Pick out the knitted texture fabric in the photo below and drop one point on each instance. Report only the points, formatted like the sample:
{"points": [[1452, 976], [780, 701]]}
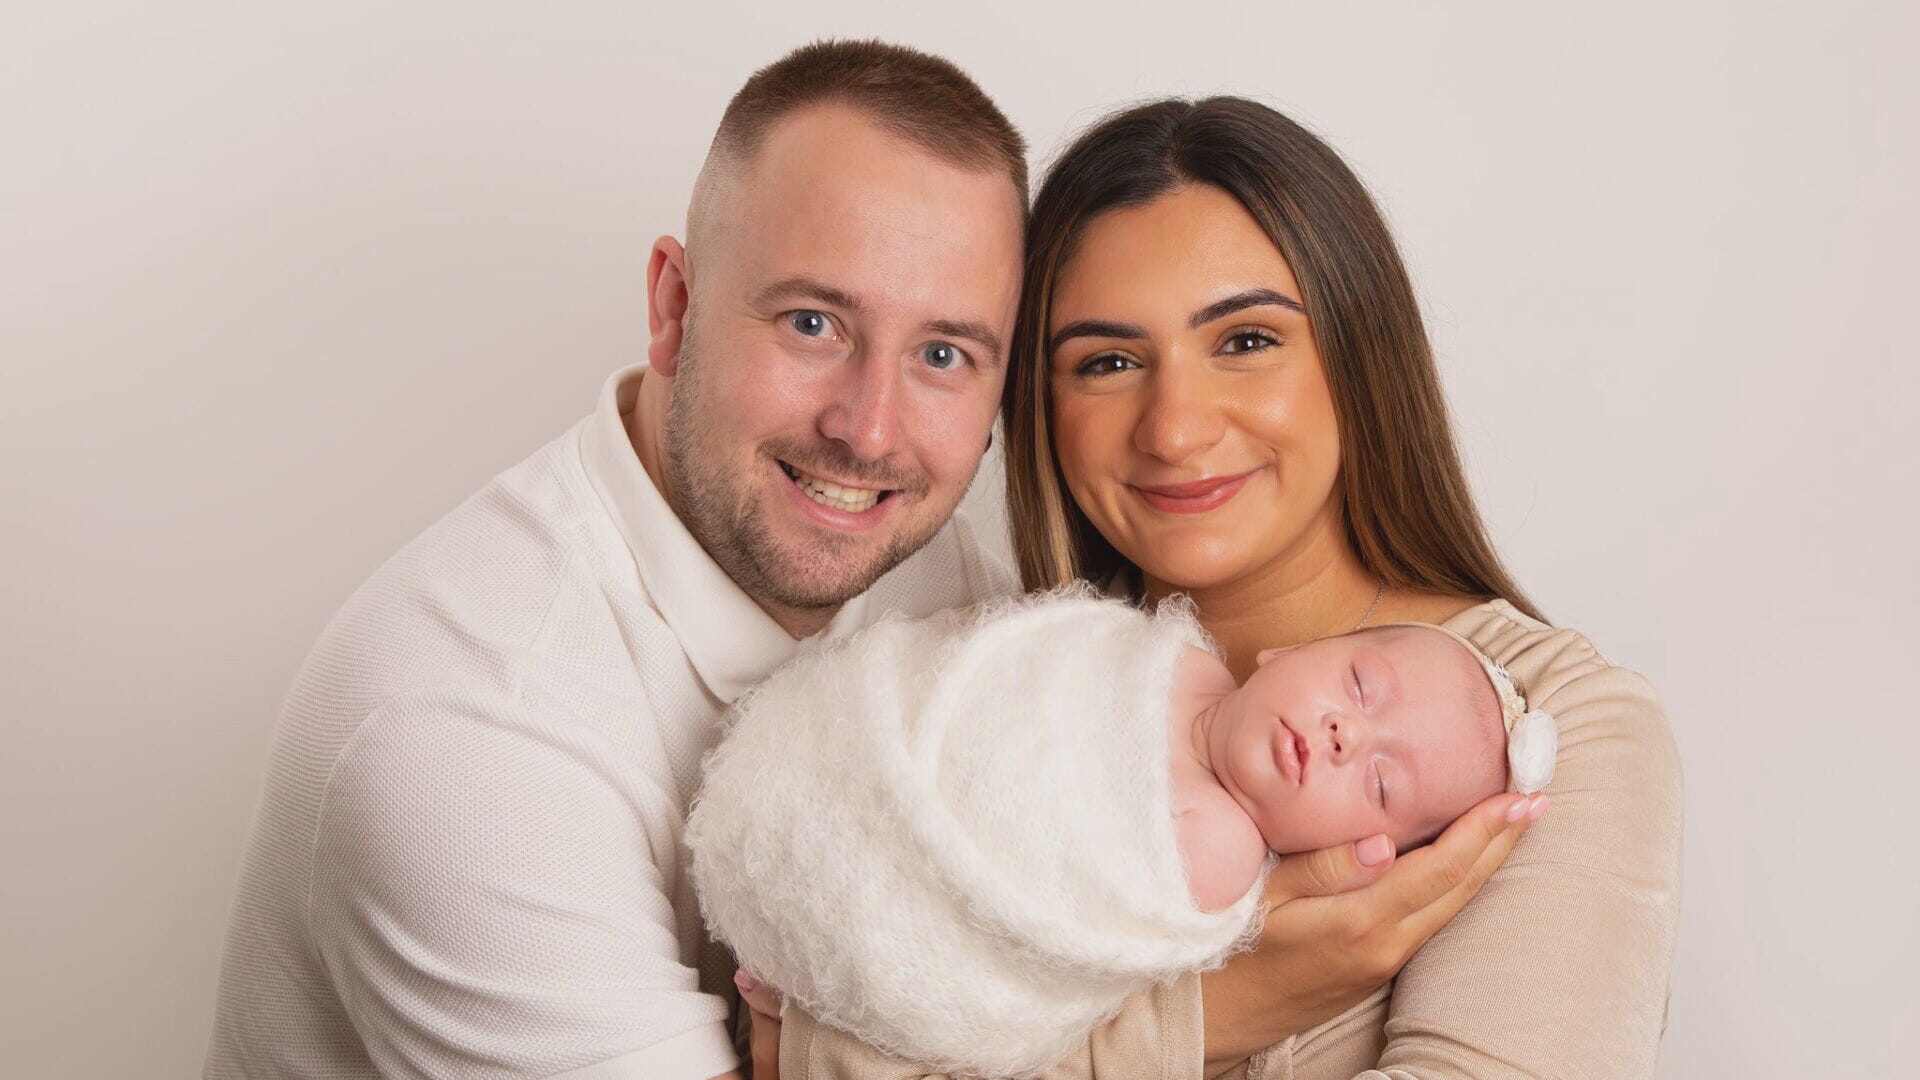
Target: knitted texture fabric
{"points": [[953, 838]]}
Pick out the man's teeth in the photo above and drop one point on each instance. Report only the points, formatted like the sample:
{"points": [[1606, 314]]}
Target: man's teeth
{"points": [[852, 500]]}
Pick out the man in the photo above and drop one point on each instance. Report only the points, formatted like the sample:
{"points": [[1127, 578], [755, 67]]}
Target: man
{"points": [[468, 861]]}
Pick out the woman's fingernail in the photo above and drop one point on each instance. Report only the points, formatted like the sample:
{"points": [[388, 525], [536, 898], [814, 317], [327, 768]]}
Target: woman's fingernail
{"points": [[1539, 806], [745, 982], [1518, 810], [1374, 850]]}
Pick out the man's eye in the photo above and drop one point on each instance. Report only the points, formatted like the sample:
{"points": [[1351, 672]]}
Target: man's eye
{"points": [[1105, 364], [810, 323], [941, 356]]}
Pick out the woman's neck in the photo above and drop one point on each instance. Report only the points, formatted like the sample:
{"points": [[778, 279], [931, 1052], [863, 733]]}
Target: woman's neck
{"points": [[1320, 588]]}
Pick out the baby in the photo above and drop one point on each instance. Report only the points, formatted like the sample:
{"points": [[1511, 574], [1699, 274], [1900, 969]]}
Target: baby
{"points": [[1396, 730], [968, 839]]}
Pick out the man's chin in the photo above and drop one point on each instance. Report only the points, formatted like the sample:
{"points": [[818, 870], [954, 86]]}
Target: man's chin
{"points": [[820, 571]]}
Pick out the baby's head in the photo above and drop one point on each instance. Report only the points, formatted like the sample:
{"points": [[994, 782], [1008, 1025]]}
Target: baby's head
{"points": [[1395, 730]]}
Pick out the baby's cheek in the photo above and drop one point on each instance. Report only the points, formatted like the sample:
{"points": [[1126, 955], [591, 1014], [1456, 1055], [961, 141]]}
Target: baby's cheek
{"points": [[1304, 823]]}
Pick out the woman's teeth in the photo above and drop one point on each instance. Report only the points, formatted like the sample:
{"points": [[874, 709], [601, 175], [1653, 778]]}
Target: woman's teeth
{"points": [[851, 500]]}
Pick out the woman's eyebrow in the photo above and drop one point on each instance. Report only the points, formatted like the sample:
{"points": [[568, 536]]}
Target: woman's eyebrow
{"points": [[1240, 301], [1093, 328]]}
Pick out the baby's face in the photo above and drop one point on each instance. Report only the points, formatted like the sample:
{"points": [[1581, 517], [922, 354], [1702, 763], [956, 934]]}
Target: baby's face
{"points": [[1394, 731]]}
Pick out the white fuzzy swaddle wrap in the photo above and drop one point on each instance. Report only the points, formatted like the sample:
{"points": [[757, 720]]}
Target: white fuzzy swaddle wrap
{"points": [[953, 838]]}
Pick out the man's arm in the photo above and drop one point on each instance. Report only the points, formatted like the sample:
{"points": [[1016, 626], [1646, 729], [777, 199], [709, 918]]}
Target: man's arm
{"points": [[486, 900]]}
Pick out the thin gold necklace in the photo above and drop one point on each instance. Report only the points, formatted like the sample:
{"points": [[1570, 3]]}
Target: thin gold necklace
{"points": [[1371, 608]]}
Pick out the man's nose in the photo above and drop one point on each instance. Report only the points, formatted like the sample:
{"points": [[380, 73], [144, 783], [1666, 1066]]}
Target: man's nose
{"points": [[865, 412]]}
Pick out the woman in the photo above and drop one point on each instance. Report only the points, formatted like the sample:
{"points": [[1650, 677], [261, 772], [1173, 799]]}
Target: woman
{"points": [[1224, 389]]}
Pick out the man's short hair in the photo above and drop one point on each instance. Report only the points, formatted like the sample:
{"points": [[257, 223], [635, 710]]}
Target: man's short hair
{"points": [[915, 95]]}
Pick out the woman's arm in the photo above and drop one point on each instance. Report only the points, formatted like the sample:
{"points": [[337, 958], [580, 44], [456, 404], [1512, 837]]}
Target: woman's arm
{"points": [[1156, 1036], [1337, 930], [1322, 952], [1560, 967]]}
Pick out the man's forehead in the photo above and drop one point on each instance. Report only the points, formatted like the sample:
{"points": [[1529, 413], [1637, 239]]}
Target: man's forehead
{"points": [[832, 196]]}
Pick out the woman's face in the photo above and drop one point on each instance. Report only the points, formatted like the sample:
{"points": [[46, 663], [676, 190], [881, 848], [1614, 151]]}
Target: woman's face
{"points": [[1191, 413]]}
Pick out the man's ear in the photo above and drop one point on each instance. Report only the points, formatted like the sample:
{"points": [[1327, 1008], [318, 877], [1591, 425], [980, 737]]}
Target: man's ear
{"points": [[1267, 654], [666, 304]]}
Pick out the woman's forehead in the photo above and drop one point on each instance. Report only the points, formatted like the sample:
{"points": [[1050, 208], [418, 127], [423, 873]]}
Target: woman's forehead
{"points": [[1167, 259]]}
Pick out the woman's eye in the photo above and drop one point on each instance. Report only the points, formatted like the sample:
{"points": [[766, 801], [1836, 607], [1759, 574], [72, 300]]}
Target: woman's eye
{"points": [[1105, 364], [1242, 341], [942, 356], [811, 324]]}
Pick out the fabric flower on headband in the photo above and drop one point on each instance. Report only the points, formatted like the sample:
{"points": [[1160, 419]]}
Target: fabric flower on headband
{"points": [[1533, 744], [1533, 736]]}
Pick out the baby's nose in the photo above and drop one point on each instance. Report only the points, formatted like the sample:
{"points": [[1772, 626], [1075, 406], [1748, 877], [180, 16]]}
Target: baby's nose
{"points": [[1343, 735]]}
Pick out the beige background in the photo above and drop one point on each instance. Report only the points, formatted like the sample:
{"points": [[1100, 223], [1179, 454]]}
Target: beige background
{"points": [[278, 286]]}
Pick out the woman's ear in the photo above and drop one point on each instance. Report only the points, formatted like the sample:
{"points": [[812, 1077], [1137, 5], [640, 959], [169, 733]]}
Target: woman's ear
{"points": [[666, 304]]}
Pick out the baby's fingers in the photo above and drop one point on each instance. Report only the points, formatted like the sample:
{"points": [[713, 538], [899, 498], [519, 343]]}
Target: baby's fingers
{"points": [[759, 997]]}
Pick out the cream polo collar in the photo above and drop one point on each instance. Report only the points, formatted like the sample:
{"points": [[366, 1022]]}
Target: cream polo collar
{"points": [[730, 640]]}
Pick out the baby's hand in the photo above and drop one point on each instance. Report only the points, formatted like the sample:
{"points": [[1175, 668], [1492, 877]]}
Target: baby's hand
{"points": [[759, 997], [763, 1005]]}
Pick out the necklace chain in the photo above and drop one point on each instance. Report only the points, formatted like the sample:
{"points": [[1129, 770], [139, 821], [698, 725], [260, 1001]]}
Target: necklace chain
{"points": [[1371, 608]]}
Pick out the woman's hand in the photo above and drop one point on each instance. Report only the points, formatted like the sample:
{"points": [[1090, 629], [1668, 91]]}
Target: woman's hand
{"points": [[763, 1006], [1338, 929]]}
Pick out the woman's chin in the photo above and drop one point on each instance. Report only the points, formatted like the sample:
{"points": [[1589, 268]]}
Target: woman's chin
{"points": [[1191, 571]]}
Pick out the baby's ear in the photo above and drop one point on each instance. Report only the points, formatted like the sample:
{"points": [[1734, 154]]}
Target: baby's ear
{"points": [[1268, 654]]}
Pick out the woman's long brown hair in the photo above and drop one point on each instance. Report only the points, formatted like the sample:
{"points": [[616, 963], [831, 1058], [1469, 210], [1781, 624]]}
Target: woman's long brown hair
{"points": [[1409, 515]]}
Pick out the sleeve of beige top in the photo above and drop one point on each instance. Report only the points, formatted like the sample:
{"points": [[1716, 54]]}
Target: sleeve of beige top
{"points": [[1155, 1036], [1560, 966]]}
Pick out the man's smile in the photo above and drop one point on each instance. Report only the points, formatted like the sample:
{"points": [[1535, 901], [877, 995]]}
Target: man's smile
{"points": [[853, 500]]}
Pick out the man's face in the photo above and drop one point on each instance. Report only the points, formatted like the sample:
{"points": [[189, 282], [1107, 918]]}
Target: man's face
{"points": [[843, 356]]}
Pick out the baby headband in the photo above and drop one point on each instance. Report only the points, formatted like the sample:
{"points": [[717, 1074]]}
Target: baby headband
{"points": [[1533, 737]]}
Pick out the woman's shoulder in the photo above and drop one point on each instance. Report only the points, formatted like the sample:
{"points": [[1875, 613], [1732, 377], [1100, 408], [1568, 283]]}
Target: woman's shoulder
{"points": [[1548, 659], [1596, 702]]}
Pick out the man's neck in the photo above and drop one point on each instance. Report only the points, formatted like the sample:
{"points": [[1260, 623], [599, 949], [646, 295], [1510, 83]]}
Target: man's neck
{"points": [[647, 433]]}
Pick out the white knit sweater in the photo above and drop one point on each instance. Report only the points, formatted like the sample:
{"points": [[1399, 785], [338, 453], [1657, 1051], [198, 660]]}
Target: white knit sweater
{"points": [[953, 837]]}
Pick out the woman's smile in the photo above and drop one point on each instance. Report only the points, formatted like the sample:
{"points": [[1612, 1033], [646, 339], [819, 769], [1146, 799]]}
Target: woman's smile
{"points": [[1194, 496]]}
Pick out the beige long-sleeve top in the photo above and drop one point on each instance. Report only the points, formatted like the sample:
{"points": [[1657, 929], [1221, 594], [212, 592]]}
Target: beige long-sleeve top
{"points": [[1558, 968]]}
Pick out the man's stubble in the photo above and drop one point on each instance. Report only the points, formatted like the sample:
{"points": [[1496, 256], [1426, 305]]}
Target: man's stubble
{"points": [[719, 510]]}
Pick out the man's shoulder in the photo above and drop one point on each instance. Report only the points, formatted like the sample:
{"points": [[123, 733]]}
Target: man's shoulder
{"points": [[464, 602]]}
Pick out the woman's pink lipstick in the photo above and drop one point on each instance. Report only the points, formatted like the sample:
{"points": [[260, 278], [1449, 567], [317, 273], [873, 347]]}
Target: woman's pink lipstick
{"points": [[1195, 496]]}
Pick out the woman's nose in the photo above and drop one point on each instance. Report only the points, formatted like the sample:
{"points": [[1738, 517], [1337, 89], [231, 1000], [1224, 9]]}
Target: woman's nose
{"points": [[1181, 418]]}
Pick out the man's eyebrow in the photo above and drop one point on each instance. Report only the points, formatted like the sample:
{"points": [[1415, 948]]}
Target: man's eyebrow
{"points": [[978, 332], [805, 288], [1093, 328], [1240, 301]]}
